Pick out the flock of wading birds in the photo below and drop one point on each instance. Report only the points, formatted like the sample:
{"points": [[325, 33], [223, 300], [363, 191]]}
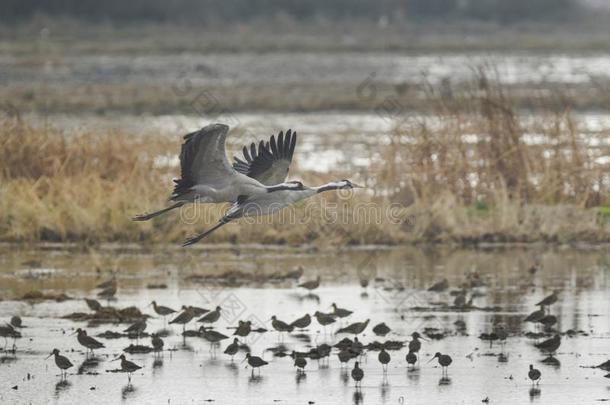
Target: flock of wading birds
{"points": [[348, 349]]}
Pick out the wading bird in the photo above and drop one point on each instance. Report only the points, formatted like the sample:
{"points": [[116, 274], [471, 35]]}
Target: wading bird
{"points": [[357, 374], [233, 348], [550, 346], [384, 358], [534, 375], [62, 362], [87, 341], [255, 185], [302, 322], [254, 362], [127, 366], [444, 360]]}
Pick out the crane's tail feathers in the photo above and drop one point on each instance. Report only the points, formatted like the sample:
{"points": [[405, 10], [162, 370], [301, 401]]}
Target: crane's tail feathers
{"points": [[197, 238], [146, 217]]}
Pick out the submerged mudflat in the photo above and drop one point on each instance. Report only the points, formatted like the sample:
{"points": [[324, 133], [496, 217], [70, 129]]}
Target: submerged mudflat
{"points": [[253, 283]]}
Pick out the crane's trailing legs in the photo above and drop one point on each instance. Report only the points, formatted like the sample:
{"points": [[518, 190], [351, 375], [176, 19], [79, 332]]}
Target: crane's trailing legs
{"points": [[146, 217]]}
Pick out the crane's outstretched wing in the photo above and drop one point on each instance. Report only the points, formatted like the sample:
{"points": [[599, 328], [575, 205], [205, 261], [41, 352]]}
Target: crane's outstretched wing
{"points": [[269, 164], [203, 159]]}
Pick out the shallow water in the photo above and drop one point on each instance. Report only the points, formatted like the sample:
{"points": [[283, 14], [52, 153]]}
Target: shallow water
{"points": [[290, 67], [190, 373]]}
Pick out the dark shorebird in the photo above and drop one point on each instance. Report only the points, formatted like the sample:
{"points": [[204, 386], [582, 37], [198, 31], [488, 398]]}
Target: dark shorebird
{"points": [[549, 300], [384, 358], [157, 343], [324, 319], [184, 317], [254, 362], [233, 348], [411, 358], [211, 316], [197, 311], [548, 321], [357, 374], [340, 312], [107, 284], [534, 375], [107, 293], [604, 366], [299, 362], [444, 360], [136, 329], [280, 326], [345, 355], [212, 336], [16, 321], [302, 322], [62, 362], [7, 331], [161, 310], [127, 366], [355, 328], [243, 329], [381, 329], [93, 305], [415, 344], [439, 286], [310, 285], [535, 316], [550, 346], [87, 341]]}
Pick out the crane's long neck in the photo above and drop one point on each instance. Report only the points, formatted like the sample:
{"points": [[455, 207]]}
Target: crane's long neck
{"points": [[333, 185]]}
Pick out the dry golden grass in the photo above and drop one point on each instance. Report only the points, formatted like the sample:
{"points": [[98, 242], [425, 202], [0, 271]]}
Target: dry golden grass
{"points": [[434, 182]]}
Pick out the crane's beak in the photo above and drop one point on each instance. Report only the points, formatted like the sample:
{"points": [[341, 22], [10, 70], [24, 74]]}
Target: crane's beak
{"points": [[430, 360], [73, 333], [357, 185], [48, 356], [245, 358]]}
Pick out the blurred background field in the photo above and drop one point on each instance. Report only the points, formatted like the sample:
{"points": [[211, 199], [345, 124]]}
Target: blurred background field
{"points": [[470, 121]]}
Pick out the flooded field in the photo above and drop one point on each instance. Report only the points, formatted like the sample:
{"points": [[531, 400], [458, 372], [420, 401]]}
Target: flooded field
{"points": [[254, 282]]}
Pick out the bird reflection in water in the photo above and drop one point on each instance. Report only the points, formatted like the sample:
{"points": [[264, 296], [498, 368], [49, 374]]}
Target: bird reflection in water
{"points": [[158, 363], [255, 379], [503, 358], [552, 361], [128, 391], [300, 377], [89, 364], [358, 397], [384, 388], [61, 387], [344, 376], [534, 393], [444, 381]]}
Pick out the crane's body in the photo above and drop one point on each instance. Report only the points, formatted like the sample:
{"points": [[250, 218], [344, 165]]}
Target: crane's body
{"points": [[256, 185]]}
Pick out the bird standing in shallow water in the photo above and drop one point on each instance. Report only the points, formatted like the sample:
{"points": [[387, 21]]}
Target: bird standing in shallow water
{"points": [[16, 321], [87, 341], [355, 328], [444, 360], [534, 375], [357, 374], [381, 329], [62, 362], [411, 358], [255, 362], [233, 348], [384, 358], [299, 362], [136, 329], [549, 300], [93, 305], [157, 343], [302, 322], [310, 285], [243, 329], [340, 312], [211, 316], [127, 366], [184, 317], [550, 346], [161, 310]]}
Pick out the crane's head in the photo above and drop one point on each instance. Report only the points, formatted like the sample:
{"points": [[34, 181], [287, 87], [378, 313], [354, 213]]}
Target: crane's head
{"points": [[346, 184]]}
